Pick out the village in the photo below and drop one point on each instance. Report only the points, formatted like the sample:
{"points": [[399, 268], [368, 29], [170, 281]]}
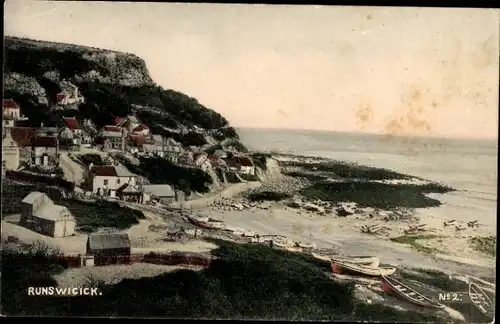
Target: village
{"points": [[89, 159]]}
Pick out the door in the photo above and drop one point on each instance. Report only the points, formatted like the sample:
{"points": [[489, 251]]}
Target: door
{"points": [[45, 160]]}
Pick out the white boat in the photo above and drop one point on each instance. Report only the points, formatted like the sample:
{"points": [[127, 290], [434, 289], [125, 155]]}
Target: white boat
{"points": [[481, 300], [217, 225], [284, 243], [201, 219], [365, 260], [306, 245], [342, 267], [248, 234], [483, 284]]}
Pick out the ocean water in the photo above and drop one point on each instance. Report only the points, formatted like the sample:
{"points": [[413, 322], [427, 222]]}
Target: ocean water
{"points": [[470, 166]]}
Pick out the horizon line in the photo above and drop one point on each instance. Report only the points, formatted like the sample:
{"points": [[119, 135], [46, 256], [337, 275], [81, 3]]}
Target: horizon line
{"points": [[451, 137]]}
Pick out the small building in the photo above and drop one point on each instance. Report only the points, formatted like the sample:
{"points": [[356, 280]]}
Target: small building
{"points": [[202, 161], [32, 202], [241, 164], [108, 247], [45, 150], [69, 94], [10, 152], [11, 113], [141, 130], [53, 220], [113, 138], [162, 193], [130, 193], [39, 213], [106, 179]]}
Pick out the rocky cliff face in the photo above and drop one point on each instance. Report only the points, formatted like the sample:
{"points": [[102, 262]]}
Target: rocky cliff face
{"points": [[113, 84]]}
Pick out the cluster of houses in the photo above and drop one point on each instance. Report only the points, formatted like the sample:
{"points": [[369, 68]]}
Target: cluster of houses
{"points": [[41, 146]]}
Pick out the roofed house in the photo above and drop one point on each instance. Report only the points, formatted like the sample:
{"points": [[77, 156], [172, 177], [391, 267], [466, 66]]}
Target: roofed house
{"points": [[11, 112], [43, 216], [241, 164], [69, 94], [72, 132], [106, 179], [108, 247], [202, 161], [130, 193], [141, 130], [113, 137], [45, 150], [162, 193]]}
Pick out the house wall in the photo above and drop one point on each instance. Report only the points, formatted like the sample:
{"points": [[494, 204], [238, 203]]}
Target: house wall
{"points": [[247, 170], [12, 112], [38, 152], [65, 227], [113, 183], [8, 123], [10, 154], [43, 226]]}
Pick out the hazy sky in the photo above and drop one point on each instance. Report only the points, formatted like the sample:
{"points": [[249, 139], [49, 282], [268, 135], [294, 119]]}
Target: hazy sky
{"points": [[426, 71]]}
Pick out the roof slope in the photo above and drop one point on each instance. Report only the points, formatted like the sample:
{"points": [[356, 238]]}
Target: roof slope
{"points": [[108, 241], [32, 196]]}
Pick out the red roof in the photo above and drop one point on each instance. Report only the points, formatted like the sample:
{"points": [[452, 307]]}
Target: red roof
{"points": [[117, 120], [71, 122], [22, 135], [137, 139], [9, 104], [104, 171], [60, 96], [140, 128], [44, 141], [112, 129]]}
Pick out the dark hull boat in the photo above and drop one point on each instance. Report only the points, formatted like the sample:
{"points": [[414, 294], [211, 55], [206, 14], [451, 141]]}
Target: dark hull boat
{"points": [[402, 291]]}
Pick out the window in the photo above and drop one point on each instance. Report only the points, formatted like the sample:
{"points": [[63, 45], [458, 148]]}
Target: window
{"points": [[118, 181], [105, 182]]}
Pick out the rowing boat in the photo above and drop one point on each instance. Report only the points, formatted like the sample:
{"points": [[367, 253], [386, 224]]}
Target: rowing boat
{"points": [[306, 245], [485, 285], [481, 300], [369, 261], [402, 291], [451, 222], [341, 267], [199, 223]]}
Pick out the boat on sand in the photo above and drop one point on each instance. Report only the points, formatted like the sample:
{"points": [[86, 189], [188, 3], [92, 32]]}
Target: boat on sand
{"points": [[400, 290], [483, 284], [365, 260], [481, 300], [343, 267], [306, 245], [199, 223]]}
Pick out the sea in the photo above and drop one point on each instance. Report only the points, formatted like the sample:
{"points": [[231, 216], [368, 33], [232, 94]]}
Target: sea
{"points": [[468, 165]]}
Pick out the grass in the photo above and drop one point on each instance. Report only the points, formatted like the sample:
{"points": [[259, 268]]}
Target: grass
{"points": [[95, 159], [244, 282], [350, 170], [376, 195], [486, 245], [89, 215], [412, 240]]}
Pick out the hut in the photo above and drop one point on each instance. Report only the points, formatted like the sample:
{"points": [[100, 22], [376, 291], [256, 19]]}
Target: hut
{"points": [[53, 220], [32, 202], [108, 248]]}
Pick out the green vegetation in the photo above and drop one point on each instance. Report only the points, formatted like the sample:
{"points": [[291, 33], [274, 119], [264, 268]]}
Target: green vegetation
{"points": [[89, 215], [233, 143], [103, 99], [161, 171], [412, 240], [91, 158], [486, 245], [212, 149], [244, 282], [268, 195], [376, 195], [349, 170]]}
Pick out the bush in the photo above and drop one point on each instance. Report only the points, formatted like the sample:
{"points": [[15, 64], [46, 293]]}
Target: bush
{"points": [[95, 159]]}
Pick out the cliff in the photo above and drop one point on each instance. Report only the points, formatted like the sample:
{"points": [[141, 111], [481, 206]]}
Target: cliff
{"points": [[113, 84]]}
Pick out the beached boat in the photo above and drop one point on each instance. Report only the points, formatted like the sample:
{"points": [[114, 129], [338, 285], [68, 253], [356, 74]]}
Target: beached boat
{"points": [[217, 225], [481, 300], [448, 223], [402, 291], [306, 245], [369, 261], [342, 267], [293, 249], [198, 223], [460, 227], [201, 219], [485, 285], [283, 244]]}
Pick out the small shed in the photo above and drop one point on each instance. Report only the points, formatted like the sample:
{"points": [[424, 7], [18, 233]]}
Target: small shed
{"points": [[108, 247], [163, 193], [32, 202], [53, 220]]}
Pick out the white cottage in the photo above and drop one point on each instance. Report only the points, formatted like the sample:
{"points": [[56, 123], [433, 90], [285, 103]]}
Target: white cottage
{"points": [[106, 179]]}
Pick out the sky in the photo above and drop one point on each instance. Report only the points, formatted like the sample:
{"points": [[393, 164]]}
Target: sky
{"points": [[386, 70]]}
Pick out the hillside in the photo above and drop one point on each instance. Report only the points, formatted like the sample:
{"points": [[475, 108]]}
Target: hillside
{"points": [[113, 84]]}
